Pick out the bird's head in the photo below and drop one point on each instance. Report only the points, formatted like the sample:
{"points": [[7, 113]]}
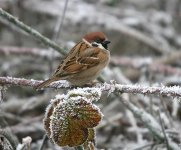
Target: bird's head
{"points": [[97, 39]]}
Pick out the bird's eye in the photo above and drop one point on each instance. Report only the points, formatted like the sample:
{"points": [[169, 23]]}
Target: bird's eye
{"points": [[98, 41], [94, 44]]}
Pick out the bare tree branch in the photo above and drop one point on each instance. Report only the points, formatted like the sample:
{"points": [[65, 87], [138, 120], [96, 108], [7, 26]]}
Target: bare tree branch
{"points": [[31, 31], [37, 52]]}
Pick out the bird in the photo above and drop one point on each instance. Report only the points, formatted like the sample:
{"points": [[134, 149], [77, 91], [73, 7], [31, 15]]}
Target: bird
{"points": [[84, 62]]}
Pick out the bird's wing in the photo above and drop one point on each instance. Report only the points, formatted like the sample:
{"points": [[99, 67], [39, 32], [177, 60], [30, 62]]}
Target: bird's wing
{"points": [[80, 58]]}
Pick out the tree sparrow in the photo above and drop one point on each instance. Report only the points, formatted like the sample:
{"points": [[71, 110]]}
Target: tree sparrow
{"points": [[84, 62]]}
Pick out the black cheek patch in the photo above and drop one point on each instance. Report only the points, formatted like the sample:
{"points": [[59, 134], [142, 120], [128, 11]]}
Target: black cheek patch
{"points": [[105, 46]]}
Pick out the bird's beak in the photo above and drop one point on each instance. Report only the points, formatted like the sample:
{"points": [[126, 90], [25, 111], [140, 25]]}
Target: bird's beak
{"points": [[105, 44]]}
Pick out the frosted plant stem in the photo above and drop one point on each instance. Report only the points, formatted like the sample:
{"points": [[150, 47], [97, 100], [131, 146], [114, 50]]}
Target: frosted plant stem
{"points": [[150, 122], [59, 24], [163, 130], [174, 91], [31, 31], [45, 138]]}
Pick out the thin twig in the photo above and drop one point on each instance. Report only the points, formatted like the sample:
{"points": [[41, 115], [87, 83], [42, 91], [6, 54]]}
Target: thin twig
{"points": [[12, 140], [149, 121], [165, 109], [43, 142], [151, 98], [152, 64], [163, 130], [2, 90], [36, 52], [145, 146], [60, 21], [31, 31], [135, 34], [56, 34]]}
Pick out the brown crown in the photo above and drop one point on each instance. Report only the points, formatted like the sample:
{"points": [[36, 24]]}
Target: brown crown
{"points": [[94, 37]]}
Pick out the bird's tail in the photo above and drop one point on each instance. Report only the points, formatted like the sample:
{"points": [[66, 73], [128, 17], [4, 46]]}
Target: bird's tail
{"points": [[45, 83]]}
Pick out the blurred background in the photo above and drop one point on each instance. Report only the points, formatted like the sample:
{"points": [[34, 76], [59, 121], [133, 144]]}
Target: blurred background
{"points": [[145, 49]]}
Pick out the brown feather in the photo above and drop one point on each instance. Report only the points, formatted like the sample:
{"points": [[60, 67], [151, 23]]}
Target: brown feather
{"points": [[71, 58], [46, 83], [73, 68], [89, 61]]}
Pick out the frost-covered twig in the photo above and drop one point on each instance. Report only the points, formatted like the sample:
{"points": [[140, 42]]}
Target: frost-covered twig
{"points": [[31, 31], [163, 129], [135, 34], [37, 52], [31, 83], [1, 94], [135, 62], [153, 65], [8, 140], [174, 91], [150, 122], [166, 69], [45, 138], [169, 59], [59, 24], [146, 61]]}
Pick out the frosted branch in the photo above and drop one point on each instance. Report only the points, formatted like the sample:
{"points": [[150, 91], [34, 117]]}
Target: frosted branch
{"points": [[150, 122], [30, 31], [174, 91], [32, 83], [37, 52]]}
